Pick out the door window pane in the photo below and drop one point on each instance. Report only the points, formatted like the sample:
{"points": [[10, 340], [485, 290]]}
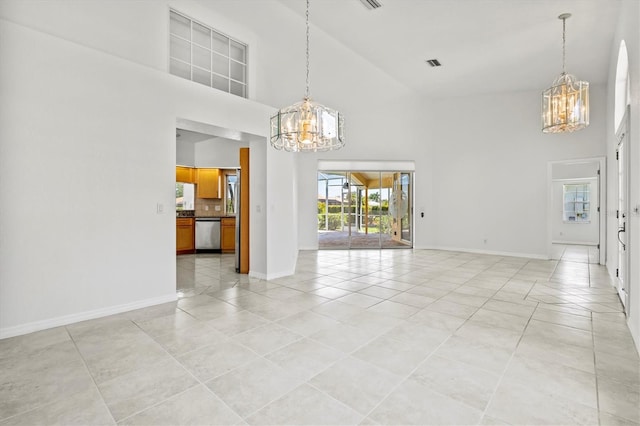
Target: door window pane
{"points": [[576, 205]]}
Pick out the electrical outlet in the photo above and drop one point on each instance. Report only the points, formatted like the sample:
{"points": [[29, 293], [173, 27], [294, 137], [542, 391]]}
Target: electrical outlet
{"points": [[485, 241], [217, 208], [206, 208]]}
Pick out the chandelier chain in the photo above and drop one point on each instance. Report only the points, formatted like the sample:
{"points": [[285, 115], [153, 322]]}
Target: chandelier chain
{"points": [[564, 23], [307, 82]]}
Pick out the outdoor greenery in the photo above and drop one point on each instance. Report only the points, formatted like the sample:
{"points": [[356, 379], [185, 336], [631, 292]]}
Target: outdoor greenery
{"points": [[376, 223], [379, 220]]}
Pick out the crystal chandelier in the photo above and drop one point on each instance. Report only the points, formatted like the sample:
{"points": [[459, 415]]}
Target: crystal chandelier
{"points": [[565, 105], [307, 126]]}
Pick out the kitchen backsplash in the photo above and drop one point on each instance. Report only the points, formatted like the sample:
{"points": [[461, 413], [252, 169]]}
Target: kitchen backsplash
{"points": [[207, 207]]}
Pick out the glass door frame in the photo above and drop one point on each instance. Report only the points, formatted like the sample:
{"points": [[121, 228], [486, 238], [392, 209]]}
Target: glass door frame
{"points": [[350, 183]]}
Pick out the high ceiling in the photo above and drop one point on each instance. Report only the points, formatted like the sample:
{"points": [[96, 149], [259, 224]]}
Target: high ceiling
{"points": [[485, 46]]}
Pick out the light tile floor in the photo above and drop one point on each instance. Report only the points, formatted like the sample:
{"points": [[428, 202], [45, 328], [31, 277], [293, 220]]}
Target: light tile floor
{"points": [[354, 337], [575, 253]]}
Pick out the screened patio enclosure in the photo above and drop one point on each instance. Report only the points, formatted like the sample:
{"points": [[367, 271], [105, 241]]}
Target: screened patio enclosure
{"points": [[358, 209]]}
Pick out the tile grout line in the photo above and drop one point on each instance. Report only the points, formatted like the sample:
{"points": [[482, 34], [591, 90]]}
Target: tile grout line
{"points": [[84, 362], [595, 369], [37, 407], [506, 368], [431, 354], [199, 382]]}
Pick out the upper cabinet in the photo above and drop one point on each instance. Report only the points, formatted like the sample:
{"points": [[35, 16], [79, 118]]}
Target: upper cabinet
{"points": [[185, 174], [208, 183]]}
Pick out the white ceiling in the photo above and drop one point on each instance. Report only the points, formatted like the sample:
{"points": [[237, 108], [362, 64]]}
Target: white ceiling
{"points": [[485, 46]]}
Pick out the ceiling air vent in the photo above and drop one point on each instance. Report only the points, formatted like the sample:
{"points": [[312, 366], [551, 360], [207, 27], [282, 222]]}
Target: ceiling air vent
{"points": [[371, 4], [434, 62]]}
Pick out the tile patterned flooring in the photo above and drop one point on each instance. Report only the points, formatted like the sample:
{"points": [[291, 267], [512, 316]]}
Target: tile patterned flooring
{"points": [[354, 337]]}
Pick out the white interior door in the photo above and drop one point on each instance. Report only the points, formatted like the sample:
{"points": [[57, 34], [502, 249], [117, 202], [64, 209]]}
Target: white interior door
{"points": [[622, 270]]}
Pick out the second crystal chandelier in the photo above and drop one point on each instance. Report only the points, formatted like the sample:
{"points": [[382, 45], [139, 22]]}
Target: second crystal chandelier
{"points": [[565, 105]]}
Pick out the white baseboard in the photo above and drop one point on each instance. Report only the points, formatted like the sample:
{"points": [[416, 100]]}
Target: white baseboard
{"points": [[258, 275], [30, 327], [493, 253], [271, 276], [575, 243], [476, 251], [280, 274]]}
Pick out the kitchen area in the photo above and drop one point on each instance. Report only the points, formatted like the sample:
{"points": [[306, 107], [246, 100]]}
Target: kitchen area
{"points": [[206, 204], [209, 173]]}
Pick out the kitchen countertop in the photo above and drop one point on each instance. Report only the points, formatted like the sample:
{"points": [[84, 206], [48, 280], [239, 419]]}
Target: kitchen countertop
{"points": [[214, 217]]}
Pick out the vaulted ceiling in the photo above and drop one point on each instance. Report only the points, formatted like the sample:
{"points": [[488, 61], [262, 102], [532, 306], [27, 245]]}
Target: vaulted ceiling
{"points": [[485, 46]]}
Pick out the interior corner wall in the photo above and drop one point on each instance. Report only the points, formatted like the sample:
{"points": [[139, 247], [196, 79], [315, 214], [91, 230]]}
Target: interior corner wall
{"points": [[185, 154], [628, 29], [282, 235], [257, 208], [490, 175]]}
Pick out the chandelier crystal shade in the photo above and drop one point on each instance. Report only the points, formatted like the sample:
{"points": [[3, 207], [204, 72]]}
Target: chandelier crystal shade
{"points": [[307, 126], [565, 105]]}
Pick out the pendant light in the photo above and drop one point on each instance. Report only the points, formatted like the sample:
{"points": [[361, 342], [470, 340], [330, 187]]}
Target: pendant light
{"points": [[565, 105], [307, 126]]}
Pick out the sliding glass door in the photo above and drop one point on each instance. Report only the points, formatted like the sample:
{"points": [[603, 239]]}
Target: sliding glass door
{"points": [[364, 209]]}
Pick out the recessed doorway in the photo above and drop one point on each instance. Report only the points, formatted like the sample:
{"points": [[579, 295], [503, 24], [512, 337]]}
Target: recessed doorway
{"points": [[365, 209], [576, 201]]}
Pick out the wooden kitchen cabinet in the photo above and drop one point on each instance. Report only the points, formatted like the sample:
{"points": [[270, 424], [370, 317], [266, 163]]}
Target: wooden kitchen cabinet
{"points": [[185, 235], [228, 234], [185, 174], [208, 183]]}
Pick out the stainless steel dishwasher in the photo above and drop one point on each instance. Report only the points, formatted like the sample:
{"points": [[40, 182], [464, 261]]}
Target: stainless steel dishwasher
{"points": [[207, 233]]}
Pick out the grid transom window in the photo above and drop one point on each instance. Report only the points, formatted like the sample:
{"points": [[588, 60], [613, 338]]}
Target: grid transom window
{"points": [[576, 203], [204, 55]]}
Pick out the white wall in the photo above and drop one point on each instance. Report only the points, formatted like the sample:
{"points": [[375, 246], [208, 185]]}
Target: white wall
{"points": [[490, 169], [584, 169], [218, 152], [133, 30], [88, 140], [281, 214], [574, 233], [185, 153], [257, 212], [628, 29]]}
